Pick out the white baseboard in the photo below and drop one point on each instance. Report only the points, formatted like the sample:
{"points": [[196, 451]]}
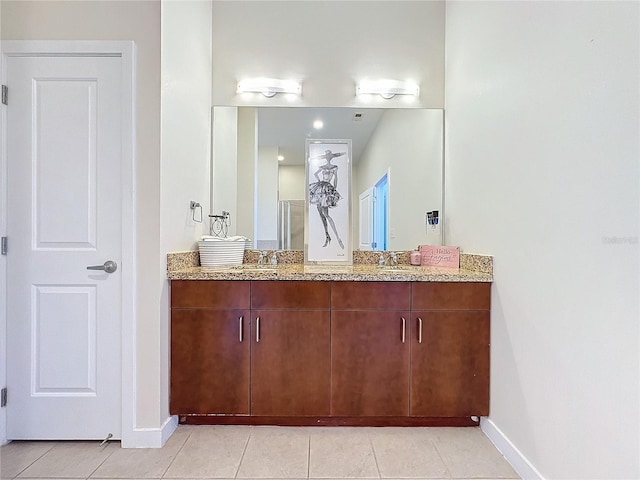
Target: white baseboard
{"points": [[3, 426], [150, 437], [518, 461]]}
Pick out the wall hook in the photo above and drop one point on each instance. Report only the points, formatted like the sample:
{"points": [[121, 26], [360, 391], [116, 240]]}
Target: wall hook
{"points": [[193, 205]]}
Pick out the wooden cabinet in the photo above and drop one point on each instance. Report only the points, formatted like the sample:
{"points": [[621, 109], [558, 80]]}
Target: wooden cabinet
{"points": [[290, 348], [209, 347], [290, 369], [330, 352], [209, 362], [370, 349], [259, 348], [450, 349]]}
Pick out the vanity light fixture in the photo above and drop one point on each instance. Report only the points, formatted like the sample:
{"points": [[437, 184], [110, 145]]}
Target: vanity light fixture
{"points": [[269, 86], [318, 124], [280, 158], [387, 88]]}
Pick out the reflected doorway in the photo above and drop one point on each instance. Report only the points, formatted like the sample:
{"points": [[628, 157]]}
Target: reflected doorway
{"points": [[381, 214], [374, 216]]}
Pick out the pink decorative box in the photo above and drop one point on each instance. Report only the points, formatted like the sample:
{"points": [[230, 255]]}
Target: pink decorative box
{"points": [[434, 256]]}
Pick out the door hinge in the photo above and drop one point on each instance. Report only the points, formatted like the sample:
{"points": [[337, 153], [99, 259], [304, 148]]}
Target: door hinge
{"points": [[3, 397], [3, 246], [5, 95]]}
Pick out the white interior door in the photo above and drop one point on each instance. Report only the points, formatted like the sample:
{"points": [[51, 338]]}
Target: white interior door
{"points": [[367, 202], [64, 199]]}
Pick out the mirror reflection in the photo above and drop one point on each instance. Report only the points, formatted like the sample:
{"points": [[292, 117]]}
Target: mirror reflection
{"points": [[258, 172]]}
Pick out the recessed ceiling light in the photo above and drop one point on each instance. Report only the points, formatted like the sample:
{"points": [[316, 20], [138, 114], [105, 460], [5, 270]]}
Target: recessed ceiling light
{"points": [[280, 158], [318, 124]]}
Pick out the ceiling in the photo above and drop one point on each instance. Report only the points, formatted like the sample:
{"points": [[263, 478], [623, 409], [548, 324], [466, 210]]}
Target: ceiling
{"points": [[288, 128]]}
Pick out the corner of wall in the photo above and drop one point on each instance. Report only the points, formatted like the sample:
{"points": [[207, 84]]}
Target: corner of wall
{"points": [[515, 457], [3, 274], [150, 437]]}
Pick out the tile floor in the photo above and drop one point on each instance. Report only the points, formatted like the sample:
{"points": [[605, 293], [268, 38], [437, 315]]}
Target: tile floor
{"points": [[228, 452]]}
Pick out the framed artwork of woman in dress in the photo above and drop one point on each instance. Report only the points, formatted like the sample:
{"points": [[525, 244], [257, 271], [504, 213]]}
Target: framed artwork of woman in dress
{"points": [[328, 211]]}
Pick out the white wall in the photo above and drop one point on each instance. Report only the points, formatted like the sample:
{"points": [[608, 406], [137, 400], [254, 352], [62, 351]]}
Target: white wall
{"points": [[115, 20], [292, 182], [186, 97], [542, 110], [329, 46], [415, 178], [247, 155], [224, 190], [267, 198], [3, 270]]}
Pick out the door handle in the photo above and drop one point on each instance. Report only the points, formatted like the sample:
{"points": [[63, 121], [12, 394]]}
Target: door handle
{"points": [[109, 266]]}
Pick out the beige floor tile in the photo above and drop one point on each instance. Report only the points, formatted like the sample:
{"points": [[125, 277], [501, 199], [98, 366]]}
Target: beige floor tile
{"points": [[16, 456], [468, 453], [210, 452], [341, 452], [407, 453], [141, 462], [70, 460], [276, 452]]}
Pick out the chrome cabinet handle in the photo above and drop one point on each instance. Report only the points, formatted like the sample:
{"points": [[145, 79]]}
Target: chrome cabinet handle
{"points": [[404, 322], [419, 330], [109, 266], [257, 329], [240, 327]]}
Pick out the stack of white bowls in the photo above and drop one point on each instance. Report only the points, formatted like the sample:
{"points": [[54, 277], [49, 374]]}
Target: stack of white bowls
{"points": [[216, 251]]}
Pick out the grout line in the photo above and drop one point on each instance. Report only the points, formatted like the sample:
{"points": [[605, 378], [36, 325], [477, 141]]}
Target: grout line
{"points": [[243, 452], [375, 458], [39, 457], [309, 453], [446, 466], [176, 454], [107, 445]]}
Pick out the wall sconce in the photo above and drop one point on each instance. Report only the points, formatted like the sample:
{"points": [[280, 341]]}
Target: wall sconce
{"points": [[387, 88], [269, 86]]}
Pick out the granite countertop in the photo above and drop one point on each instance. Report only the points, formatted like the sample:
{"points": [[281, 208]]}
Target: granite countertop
{"points": [[366, 273]]}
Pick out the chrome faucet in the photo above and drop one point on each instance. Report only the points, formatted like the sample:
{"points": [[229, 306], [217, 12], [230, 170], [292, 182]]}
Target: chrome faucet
{"points": [[393, 258], [381, 260], [262, 258], [274, 258]]}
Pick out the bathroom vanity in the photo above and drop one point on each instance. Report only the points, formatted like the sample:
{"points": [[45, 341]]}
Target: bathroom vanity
{"points": [[362, 347]]}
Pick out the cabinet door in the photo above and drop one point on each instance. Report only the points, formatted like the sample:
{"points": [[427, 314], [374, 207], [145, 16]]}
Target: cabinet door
{"points": [[290, 362], [225, 295], [370, 363], [388, 296], [450, 365], [451, 296], [209, 361], [306, 295]]}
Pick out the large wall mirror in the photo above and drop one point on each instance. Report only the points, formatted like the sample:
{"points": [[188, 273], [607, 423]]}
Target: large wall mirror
{"points": [[258, 172]]}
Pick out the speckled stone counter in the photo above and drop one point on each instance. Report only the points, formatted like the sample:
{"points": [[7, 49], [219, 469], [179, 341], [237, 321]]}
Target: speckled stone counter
{"points": [[477, 268]]}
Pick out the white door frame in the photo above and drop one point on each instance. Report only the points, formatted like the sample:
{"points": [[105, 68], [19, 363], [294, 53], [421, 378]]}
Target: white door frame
{"points": [[125, 50]]}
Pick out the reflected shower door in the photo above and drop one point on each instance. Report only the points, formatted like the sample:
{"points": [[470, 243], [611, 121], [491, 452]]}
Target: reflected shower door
{"points": [[291, 224]]}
